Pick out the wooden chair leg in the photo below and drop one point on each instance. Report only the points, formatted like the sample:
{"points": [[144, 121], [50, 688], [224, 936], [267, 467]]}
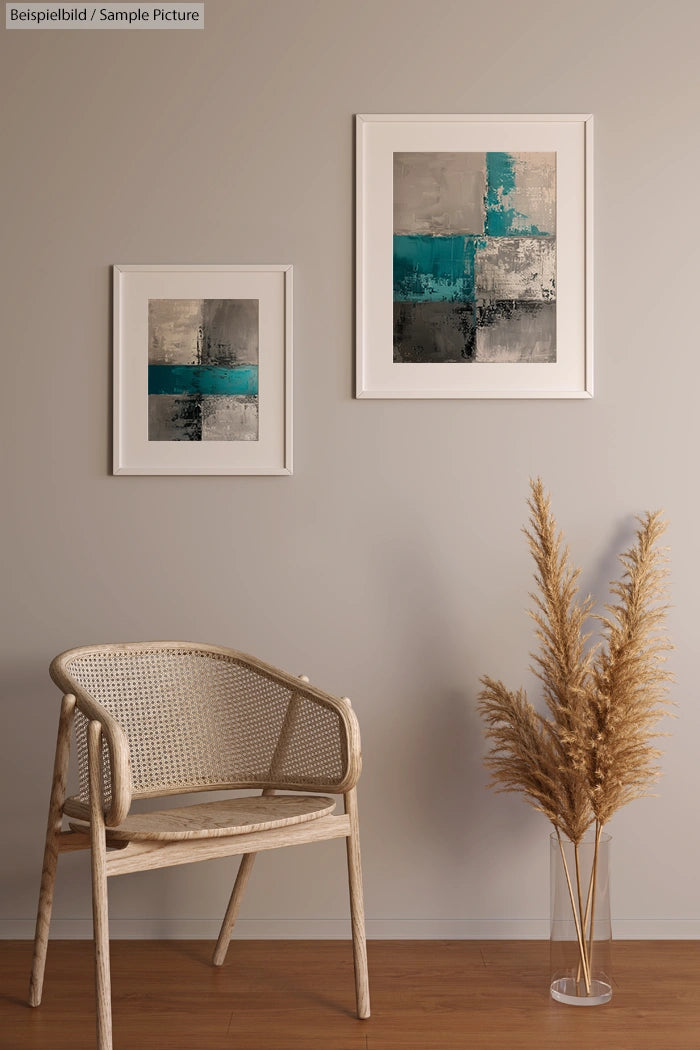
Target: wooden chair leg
{"points": [[51, 850], [357, 908], [100, 918], [234, 906], [244, 870]]}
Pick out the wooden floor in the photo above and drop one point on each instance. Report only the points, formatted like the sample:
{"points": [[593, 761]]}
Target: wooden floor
{"points": [[299, 995]]}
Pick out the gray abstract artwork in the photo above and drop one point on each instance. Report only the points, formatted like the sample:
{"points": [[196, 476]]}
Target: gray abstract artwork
{"points": [[203, 369], [475, 257]]}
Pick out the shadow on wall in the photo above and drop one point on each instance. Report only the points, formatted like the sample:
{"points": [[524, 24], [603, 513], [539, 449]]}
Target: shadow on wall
{"points": [[596, 579]]}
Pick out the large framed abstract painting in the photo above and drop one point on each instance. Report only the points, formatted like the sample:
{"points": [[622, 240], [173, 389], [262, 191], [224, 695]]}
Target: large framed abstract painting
{"points": [[474, 256], [203, 369]]}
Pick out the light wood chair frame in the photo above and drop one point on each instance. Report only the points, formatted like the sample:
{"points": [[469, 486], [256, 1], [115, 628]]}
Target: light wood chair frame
{"points": [[95, 826]]}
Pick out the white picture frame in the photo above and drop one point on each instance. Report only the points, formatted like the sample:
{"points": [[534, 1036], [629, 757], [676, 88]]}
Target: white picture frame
{"points": [[386, 140], [235, 419]]}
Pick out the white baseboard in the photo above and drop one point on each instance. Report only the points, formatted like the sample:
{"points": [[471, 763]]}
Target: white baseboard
{"points": [[339, 929]]}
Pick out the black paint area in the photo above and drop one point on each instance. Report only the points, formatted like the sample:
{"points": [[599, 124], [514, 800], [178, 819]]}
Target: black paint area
{"points": [[434, 332]]}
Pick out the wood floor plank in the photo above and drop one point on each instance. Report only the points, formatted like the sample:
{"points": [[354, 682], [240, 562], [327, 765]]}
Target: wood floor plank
{"points": [[299, 995]]}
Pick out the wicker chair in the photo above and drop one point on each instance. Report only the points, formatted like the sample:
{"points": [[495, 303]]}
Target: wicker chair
{"points": [[164, 718]]}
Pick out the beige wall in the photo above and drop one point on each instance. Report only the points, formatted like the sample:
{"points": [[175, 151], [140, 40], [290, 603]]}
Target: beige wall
{"points": [[391, 565]]}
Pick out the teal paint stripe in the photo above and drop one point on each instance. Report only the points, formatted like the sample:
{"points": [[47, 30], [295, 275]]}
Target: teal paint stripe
{"points": [[501, 220], [202, 379], [434, 269]]}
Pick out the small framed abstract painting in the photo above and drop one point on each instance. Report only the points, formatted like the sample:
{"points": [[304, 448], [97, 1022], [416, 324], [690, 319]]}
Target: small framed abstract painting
{"points": [[203, 369], [474, 256]]}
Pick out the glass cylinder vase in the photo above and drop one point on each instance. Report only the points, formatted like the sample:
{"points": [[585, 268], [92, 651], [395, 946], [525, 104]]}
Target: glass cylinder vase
{"points": [[581, 931]]}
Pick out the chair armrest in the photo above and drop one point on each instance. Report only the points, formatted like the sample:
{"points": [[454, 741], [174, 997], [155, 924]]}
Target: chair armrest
{"points": [[296, 724], [116, 776], [349, 740], [353, 746]]}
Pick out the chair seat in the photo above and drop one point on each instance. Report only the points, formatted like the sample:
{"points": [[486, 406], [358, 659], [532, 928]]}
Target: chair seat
{"points": [[233, 816]]}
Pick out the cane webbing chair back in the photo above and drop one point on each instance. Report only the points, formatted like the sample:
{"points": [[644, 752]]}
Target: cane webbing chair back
{"points": [[157, 719], [196, 718]]}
